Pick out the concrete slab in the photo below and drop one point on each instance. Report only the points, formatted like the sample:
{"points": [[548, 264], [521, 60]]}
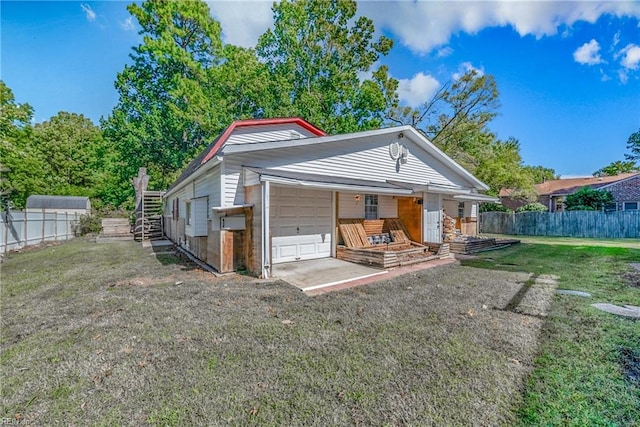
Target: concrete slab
{"points": [[318, 273], [626, 310], [156, 243], [571, 292]]}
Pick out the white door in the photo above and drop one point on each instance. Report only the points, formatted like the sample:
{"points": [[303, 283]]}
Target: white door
{"points": [[300, 224], [432, 218]]}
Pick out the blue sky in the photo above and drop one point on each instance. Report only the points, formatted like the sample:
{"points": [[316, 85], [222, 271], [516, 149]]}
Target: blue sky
{"points": [[568, 72]]}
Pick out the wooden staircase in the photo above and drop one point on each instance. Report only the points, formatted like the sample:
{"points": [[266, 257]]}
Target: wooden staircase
{"points": [[114, 230], [149, 217]]}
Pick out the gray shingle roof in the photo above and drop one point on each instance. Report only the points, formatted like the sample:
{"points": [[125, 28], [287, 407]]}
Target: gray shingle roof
{"points": [[57, 202]]}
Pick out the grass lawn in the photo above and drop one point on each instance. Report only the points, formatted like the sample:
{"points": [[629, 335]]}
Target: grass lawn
{"points": [[114, 335], [572, 241], [588, 369]]}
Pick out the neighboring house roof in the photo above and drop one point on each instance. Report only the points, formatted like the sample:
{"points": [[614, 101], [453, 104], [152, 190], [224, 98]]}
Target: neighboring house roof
{"points": [[560, 187], [218, 143], [57, 202]]}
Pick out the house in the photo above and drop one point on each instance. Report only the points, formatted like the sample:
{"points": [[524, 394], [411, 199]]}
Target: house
{"points": [[272, 191], [61, 204], [624, 187]]}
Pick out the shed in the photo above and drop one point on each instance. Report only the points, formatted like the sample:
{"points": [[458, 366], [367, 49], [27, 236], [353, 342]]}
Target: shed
{"points": [[61, 204]]}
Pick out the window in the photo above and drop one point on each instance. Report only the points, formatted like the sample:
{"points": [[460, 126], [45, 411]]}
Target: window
{"points": [[370, 206], [630, 206], [187, 209], [461, 210]]}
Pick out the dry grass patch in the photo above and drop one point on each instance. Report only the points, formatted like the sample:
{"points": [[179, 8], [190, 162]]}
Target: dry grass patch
{"points": [[102, 334]]}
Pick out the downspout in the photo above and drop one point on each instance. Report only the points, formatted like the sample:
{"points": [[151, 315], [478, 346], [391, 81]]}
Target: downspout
{"points": [[266, 249]]}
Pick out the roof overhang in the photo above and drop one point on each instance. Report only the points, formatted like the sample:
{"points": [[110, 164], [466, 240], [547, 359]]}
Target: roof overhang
{"points": [[326, 182], [474, 197]]}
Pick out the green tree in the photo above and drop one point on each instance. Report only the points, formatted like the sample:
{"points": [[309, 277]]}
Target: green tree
{"points": [[317, 53], [21, 168], [75, 155], [540, 174], [167, 108], [616, 168], [633, 145], [588, 199]]}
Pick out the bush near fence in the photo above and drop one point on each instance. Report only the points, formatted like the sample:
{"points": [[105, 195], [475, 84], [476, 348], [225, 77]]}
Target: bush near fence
{"points": [[587, 224], [19, 229]]}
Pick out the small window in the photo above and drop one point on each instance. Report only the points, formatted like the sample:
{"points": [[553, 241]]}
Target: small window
{"points": [[188, 213], [208, 208], [461, 210], [630, 206], [370, 206]]}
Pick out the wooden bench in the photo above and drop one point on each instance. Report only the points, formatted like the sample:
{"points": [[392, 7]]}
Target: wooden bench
{"points": [[355, 232]]}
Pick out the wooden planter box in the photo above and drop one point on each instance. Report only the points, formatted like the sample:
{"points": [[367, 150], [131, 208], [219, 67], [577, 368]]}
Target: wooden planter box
{"points": [[471, 246], [386, 256]]}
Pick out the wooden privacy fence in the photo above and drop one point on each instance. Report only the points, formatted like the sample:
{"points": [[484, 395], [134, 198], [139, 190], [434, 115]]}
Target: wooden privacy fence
{"points": [[589, 224], [19, 229]]}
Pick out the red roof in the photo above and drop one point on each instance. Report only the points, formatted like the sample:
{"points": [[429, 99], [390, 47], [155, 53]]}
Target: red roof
{"points": [[258, 122]]}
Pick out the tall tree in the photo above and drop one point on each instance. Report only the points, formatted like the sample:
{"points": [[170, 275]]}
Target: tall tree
{"points": [[166, 109], [75, 154], [317, 53], [633, 145], [541, 174], [21, 168], [617, 167]]}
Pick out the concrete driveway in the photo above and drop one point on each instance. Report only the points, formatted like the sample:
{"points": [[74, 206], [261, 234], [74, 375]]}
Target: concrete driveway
{"points": [[320, 273]]}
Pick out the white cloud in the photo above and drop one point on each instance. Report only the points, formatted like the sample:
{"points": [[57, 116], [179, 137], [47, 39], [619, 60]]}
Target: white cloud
{"points": [[243, 22], [90, 14], [444, 52], [425, 25], [464, 67], [417, 90], [630, 56], [588, 53], [128, 24]]}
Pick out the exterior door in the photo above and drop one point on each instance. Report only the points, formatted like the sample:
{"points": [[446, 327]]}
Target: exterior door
{"points": [[410, 213], [432, 218], [300, 224]]}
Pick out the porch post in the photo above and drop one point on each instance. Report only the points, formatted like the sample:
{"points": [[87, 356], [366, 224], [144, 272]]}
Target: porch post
{"points": [[266, 235]]}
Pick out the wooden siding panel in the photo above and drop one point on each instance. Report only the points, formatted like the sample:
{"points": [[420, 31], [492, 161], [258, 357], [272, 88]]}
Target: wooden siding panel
{"points": [[253, 232]]}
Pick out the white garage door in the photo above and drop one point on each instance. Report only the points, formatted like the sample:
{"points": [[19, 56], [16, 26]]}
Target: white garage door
{"points": [[300, 224]]}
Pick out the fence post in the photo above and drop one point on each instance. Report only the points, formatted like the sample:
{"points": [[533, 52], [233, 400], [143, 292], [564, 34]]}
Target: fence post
{"points": [[26, 226], [6, 230], [44, 220]]}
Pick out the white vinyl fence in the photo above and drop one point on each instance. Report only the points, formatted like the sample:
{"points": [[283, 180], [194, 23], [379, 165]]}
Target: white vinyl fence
{"points": [[19, 229]]}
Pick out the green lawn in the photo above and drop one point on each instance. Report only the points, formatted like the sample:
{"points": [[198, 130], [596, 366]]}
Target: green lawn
{"points": [[588, 368], [572, 241]]}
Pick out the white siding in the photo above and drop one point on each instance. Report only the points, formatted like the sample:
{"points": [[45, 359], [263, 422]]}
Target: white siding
{"points": [[349, 207], [262, 133], [233, 185], [450, 208], [387, 207], [198, 226], [363, 159]]}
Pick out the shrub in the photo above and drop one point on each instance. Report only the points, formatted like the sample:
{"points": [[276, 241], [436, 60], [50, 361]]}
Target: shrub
{"points": [[588, 199], [533, 207], [89, 224], [493, 207]]}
